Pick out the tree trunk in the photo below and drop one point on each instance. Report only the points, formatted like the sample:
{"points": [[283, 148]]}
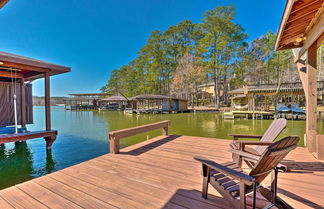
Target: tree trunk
{"points": [[215, 92], [218, 89], [192, 101]]}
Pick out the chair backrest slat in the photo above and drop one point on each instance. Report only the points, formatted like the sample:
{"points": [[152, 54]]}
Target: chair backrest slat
{"points": [[276, 127], [272, 156]]}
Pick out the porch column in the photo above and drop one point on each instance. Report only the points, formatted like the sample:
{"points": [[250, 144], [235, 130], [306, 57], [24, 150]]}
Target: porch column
{"points": [[47, 101], [307, 74]]}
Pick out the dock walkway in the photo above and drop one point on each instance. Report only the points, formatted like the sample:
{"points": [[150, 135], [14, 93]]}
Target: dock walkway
{"points": [[157, 173]]}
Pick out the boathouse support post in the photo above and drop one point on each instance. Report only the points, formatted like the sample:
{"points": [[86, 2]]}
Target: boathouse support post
{"points": [[50, 139], [47, 101], [22, 102]]}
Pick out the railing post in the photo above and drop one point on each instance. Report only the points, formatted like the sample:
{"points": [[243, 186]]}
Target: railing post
{"points": [[165, 131], [114, 144]]}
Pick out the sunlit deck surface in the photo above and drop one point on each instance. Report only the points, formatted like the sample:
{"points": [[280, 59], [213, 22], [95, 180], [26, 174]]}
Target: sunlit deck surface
{"points": [[157, 173]]}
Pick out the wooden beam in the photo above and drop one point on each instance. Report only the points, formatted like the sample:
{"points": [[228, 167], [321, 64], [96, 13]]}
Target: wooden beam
{"points": [[6, 138], [305, 5], [312, 35], [320, 40], [47, 101], [301, 67], [33, 75], [22, 102], [311, 97], [23, 67], [3, 3], [11, 75], [303, 14]]}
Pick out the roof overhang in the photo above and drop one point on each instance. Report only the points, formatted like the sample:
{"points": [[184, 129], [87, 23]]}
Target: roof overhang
{"points": [[90, 94], [27, 68], [301, 25], [3, 3]]}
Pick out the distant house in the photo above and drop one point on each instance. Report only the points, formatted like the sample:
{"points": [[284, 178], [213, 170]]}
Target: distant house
{"points": [[207, 91]]}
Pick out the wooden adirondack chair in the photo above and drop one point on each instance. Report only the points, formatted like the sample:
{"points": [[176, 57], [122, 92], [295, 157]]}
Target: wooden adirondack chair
{"points": [[233, 184], [276, 127]]}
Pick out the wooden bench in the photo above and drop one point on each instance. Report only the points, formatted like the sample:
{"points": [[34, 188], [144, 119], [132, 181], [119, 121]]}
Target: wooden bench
{"points": [[115, 136], [49, 137]]}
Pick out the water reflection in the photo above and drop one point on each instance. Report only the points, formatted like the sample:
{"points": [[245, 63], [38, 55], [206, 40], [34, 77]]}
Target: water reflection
{"points": [[16, 164], [50, 162]]}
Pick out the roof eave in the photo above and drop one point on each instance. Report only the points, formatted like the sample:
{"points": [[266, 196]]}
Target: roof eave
{"points": [[3, 3], [30, 63], [288, 7]]}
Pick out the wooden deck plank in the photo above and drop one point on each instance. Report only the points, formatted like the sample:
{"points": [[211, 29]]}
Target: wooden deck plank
{"points": [[117, 185], [158, 173], [19, 199], [104, 195], [139, 188], [79, 198], [46, 197], [4, 204]]}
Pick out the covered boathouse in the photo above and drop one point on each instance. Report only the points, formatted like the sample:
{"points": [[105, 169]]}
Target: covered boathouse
{"points": [[267, 96], [83, 101], [117, 102], [16, 74], [148, 103]]}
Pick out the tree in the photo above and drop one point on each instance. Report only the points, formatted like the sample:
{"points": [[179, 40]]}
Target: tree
{"points": [[187, 78], [156, 62], [217, 47]]}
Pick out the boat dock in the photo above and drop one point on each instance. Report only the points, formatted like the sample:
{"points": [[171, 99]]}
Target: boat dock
{"points": [[156, 173], [248, 114]]}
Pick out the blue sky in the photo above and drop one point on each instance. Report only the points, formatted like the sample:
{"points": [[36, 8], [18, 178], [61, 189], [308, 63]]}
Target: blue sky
{"points": [[94, 37]]}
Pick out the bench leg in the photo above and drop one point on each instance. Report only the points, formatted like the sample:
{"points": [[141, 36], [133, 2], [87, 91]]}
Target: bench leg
{"points": [[49, 141]]}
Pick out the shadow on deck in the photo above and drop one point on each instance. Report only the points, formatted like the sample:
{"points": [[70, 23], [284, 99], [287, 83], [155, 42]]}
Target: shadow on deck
{"points": [[151, 145]]}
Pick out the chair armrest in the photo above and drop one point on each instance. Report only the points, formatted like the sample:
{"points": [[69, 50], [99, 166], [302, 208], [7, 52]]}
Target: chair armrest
{"points": [[260, 143], [250, 136], [225, 170], [245, 154]]}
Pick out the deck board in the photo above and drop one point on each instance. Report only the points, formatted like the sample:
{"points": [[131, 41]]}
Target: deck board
{"points": [[157, 173]]}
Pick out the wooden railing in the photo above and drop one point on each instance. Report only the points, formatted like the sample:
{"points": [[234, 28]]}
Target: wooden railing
{"points": [[115, 136]]}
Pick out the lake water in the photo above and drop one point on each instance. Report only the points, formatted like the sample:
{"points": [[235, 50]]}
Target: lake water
{"points": [[83, 136]]}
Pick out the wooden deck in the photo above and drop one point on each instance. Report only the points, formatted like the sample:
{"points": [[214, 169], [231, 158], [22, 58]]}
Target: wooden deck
{"points": [[157, 173]]}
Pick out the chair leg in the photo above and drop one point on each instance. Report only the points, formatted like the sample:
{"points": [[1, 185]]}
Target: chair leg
{"points": [[242, 196], [254, 194], [206, 178], [237, 159], [274, 185]]}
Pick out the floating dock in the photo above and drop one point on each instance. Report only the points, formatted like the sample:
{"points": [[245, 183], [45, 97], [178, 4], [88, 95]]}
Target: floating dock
{"points": [[248, 114]]}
